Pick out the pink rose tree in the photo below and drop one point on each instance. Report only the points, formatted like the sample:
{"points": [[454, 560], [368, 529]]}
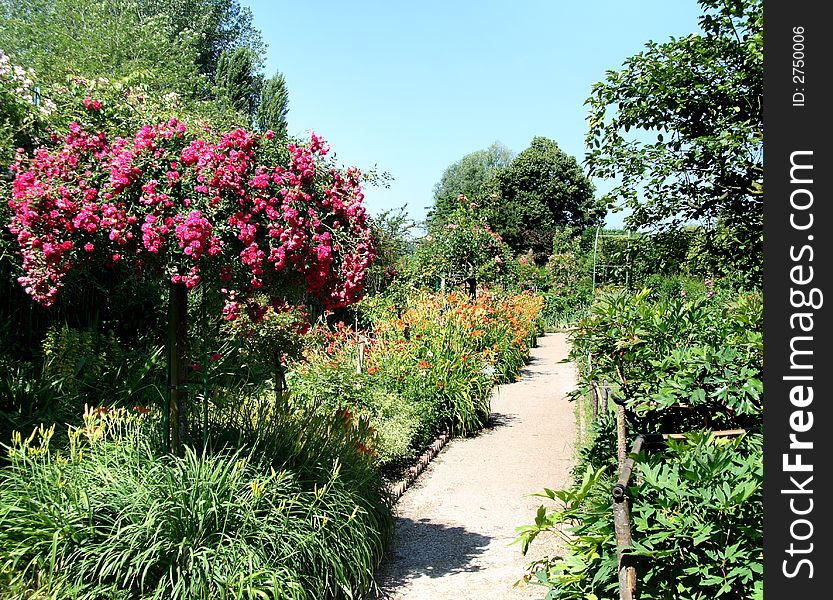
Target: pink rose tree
{"points": [[248, 218]]}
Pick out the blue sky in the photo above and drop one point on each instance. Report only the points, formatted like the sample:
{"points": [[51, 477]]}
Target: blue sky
{"points": [[413, 87]]}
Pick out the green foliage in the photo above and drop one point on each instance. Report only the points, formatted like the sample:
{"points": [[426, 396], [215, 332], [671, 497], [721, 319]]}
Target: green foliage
{"points": [[284, 518], [589, 564], [704, 352], [665, 287], [700, 98], [396, 419], [73, 356], [273, 106], [697, 522], [217, 26], [268, 335], [730, 251], [112, 39], [702, 502], [530, 276], [77, 368], [682, 364], [392, 238], [568, 266], [471, 176], [150, 51], [236, 81], [429, 362], [21, 121], [562, 309], [542, 188], [464, 247]]}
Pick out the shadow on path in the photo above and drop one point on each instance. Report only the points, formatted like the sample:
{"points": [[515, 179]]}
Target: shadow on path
{"points": [[422, 548], [497, 419]]}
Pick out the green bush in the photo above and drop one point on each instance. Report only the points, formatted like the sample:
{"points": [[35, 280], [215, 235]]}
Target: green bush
{"points": [[77, 367], [280, 517], [562, 310], [705, 352], [696, 521], [429, 363], [682, 364]]}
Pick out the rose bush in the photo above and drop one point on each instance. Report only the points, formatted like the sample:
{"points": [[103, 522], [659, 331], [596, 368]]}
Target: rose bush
{"points": [[236, 208]]}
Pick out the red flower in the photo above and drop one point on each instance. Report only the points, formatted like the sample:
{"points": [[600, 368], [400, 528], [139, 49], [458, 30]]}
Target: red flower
{"points": [[91, 104]]}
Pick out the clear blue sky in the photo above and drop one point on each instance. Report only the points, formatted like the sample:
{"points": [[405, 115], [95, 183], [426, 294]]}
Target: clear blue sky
{"points": [[414, 86]]}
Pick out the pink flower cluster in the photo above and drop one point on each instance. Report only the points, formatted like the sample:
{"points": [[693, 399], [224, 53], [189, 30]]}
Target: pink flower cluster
{"points": [[91, 104], [191, 206]]}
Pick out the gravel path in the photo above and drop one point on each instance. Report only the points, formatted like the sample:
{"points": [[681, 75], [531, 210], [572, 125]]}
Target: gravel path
{"points": [[454, 525]]}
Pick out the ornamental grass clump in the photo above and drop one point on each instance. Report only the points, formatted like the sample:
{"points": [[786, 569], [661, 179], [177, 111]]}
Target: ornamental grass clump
{"points": [[108, 518]]}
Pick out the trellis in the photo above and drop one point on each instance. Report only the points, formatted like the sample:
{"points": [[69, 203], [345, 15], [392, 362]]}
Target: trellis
{"points": [[603, 269]]}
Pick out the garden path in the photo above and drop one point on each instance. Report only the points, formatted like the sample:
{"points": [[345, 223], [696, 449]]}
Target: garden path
{"points": [[455, 524]]}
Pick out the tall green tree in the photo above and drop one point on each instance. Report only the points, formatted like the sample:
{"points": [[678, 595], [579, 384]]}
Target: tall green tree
{"points": [[217, 25], [237, 82], [681, 126], [541, 189], [273, 106], [470, 176], [393, 240], [98, 38]]}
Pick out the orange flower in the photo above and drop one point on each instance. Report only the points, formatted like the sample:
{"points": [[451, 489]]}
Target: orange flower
{"points": [[423, 365], [345, 415], [372, 370], [362, 448]]}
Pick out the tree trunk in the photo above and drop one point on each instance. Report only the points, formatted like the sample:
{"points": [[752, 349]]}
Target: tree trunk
{"points": [[175, 427], [471, 287]]}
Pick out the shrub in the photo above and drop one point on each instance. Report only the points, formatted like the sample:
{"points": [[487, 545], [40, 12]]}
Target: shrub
{"points": [[682, 364], [697, 521], [109, 518], [428, 364]]}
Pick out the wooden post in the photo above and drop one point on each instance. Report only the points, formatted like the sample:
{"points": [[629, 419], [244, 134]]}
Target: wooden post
{"points": [[471, 287], [360, 355], [280, 381], [177, 370], [605, 396], [620, 434], [594, 401], [621, 525]]}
